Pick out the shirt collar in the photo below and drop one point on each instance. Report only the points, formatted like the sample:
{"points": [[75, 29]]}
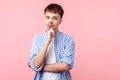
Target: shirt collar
{"points": [[57, 33]]}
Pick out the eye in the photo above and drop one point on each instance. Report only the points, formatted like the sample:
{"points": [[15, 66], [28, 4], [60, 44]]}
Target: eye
{"points": [[47, 17], [55, 18]]}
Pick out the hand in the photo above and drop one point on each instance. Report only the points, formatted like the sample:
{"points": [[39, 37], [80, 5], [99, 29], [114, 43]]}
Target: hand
{"points": [[50, 34]]}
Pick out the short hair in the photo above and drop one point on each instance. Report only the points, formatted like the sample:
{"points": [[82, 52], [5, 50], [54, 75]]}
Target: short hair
{"points": [[56, 8]]}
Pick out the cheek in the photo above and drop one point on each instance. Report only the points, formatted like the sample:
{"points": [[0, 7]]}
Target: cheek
{"points": [[57, 22], [46, 21]]}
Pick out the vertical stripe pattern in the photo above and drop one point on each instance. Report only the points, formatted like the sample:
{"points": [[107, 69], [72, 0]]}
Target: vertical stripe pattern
{"points": [[64, 51]]}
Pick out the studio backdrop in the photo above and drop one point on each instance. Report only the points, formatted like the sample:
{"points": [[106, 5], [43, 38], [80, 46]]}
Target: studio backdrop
{"points": [[94, 25]]}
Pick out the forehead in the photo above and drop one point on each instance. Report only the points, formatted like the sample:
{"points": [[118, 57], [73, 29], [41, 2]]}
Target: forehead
{"points": [[50, 13]]}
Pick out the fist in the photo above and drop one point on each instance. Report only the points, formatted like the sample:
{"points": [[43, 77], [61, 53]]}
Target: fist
{"points": [[50, 34]]}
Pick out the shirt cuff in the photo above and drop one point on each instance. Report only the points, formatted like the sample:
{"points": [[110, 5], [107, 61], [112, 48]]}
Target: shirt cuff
{"points": [[33, 67]]}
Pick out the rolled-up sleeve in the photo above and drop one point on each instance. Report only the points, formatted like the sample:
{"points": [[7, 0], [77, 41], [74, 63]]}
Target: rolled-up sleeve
{"points": [[34, 50], [68, 53]]}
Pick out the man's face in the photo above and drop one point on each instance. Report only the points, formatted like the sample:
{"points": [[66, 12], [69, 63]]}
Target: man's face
{"points": [[52, 20]]}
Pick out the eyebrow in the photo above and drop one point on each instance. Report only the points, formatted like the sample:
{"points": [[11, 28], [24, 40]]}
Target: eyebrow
{"points": [[52, 16]]}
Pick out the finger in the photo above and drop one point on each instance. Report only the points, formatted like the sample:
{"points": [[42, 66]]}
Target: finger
{"points": [[52, 34]]}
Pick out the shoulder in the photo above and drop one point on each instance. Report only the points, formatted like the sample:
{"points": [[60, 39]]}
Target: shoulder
{"points": [[39, 37], [67, 36]]}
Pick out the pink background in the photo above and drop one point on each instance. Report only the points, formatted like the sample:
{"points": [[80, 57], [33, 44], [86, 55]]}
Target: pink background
{"points": [[94, 25]]}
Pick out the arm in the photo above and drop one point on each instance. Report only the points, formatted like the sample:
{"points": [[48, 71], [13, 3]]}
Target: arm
{"points": [[35, 52], [66, 61], [40, 57], [56, 67]]}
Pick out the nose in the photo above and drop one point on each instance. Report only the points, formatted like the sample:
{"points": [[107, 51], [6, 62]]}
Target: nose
{"points": [[50, 20]]}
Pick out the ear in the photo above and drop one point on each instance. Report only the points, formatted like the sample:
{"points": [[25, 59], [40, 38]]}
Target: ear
{"points": [[60, 20]]}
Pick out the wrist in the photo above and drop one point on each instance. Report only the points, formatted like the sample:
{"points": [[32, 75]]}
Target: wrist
{"points": [[47, 41]]}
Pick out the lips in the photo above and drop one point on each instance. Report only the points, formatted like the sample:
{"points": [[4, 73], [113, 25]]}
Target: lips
{"points": [[50, 25]]}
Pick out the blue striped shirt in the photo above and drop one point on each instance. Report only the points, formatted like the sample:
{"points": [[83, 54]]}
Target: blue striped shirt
{"points": [[64, 52]]}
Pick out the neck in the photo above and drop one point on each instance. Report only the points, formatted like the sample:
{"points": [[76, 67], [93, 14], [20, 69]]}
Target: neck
{"points": [[56, 31]]}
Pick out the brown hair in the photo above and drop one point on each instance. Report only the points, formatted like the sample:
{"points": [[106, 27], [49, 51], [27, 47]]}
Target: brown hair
{"points": [[56, 8]]}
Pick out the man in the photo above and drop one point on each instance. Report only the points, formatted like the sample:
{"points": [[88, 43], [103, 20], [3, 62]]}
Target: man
{"points": [[52, 52]]}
